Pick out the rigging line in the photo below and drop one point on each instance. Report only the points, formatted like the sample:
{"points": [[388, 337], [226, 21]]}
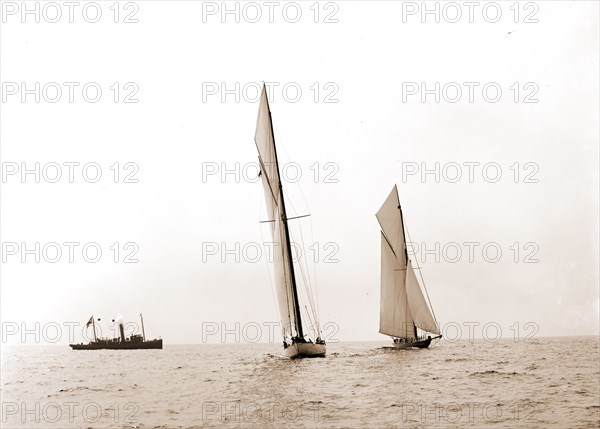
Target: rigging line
{"points": [[290, 203], [271, 280], [312, 323], [305, 277], [296, 186], [288, 157], [314, 266], [308, 283], [308, 292], [308, 288], [300, 260], [422, 279], [304, 270]]}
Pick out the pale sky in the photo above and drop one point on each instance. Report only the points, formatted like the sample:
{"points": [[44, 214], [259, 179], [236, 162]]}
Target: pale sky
{"points": [[178, 59]]}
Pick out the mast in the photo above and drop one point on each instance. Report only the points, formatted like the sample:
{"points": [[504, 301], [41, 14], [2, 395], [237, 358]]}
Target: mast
{"points": [[287, 235], [94, 329], [402, 227], [143, 333], [405, 254]]}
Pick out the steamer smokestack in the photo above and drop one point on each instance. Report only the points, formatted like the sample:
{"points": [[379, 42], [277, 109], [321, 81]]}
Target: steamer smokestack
{"points": [[122, 331]]}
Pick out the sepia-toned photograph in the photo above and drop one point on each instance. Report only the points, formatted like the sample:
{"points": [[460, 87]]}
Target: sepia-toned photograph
{"points": [[300, 214]]}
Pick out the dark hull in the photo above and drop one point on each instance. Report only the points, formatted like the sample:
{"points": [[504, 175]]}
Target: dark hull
{"points": [[419, 344], [126, 345], [422, 344]]}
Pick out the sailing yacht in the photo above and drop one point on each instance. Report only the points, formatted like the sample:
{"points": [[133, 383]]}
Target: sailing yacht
{"points": [[295, 341], [403, 308]]}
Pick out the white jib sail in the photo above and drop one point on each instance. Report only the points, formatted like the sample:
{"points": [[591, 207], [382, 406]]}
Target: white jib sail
{"points": [[419, 309]]}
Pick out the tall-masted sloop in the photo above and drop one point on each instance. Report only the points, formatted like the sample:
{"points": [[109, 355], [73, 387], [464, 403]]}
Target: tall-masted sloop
{"points": [[403, 308], [295, 342]]}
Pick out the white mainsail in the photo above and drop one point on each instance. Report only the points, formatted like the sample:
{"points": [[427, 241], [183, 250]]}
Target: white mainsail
{"points": [[403, 305], [265, 144]]}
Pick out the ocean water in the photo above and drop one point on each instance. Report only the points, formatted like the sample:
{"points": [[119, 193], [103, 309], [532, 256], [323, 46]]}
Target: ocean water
{"points": [[541, 383]]}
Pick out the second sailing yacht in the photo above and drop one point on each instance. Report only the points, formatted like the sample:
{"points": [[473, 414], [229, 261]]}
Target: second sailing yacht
{"points": [[403, 305]]}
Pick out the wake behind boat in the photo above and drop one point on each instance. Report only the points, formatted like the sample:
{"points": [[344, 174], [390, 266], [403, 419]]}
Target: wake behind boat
{"points": [[295, 343], [403, 307], [119, 343]]}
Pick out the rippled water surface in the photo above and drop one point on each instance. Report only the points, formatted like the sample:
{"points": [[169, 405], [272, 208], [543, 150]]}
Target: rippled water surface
{"points": [[545, 383]]}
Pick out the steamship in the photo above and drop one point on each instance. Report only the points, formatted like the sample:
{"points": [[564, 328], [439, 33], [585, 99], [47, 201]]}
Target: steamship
{"points": [[136, 341]]}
